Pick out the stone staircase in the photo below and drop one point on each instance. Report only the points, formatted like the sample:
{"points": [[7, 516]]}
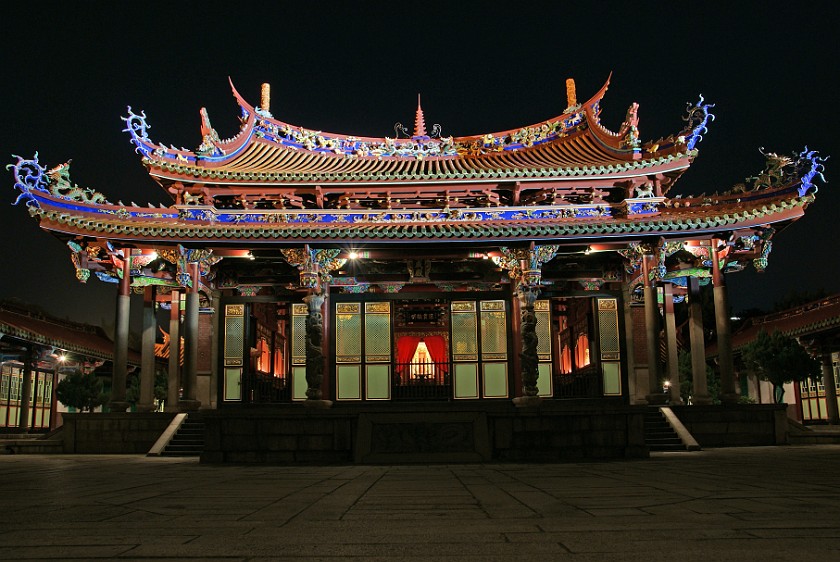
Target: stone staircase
{"points": [[799, 434], [188, 441], [32, 443], [659, 434]]}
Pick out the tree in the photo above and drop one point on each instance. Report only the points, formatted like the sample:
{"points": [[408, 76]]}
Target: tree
{"points": [[687, 379], [81, 391], [132, 392], [779, 359]]}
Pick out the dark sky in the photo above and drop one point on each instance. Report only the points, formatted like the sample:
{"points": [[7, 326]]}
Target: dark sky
{"points": [[71, 68]]}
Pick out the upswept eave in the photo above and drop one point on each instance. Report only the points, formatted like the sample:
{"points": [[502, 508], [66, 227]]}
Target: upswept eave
{"points": [[689, 217]]}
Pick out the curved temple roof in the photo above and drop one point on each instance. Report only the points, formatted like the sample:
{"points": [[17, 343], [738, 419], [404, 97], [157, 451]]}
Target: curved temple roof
{"points": [[573, 182], [571, 148]]}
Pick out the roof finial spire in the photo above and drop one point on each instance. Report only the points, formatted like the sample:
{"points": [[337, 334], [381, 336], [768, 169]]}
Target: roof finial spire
{"points": [[571, 96], [419, 121], [265, 97]]}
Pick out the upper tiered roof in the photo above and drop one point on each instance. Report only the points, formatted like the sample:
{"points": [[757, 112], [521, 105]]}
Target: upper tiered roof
{"points": [[283, 165]]}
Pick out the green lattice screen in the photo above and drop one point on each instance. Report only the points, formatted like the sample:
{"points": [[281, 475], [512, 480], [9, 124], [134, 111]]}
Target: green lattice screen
{"points": [[377, 337], [608, 339], [464, 336], [234, 334], [298, 334], [543, 330], [348, 333], [493, 332]]}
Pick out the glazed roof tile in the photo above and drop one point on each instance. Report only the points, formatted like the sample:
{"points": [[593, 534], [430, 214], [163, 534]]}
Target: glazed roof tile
{"points": [[70, 336]]}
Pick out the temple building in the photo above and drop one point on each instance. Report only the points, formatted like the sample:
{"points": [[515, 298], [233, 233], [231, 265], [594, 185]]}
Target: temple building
{"points": [[525, 267]]}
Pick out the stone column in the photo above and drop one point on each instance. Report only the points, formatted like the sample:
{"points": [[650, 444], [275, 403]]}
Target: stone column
{"points": [[830, 387], [189, 402], [671, 343], [314, 350], [173, 380], [146, 401], [26, 390], [700, 390], [655, 395], [630, 353], [728, 395], [120, 373]]}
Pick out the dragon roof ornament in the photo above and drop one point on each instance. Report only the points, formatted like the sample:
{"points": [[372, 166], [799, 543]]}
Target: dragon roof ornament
{"points": [[698, 119], [31, 176]]}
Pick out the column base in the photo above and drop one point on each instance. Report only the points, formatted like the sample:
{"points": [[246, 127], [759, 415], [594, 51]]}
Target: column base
{"points": [[701, 400], [730, 398], [145, 407], [317, 403], [658, 399], [189, 405], [527, 401], [118, 406]]}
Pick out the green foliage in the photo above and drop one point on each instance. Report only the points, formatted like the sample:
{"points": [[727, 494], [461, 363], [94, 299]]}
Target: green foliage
{"points": [[687, 379], [132, 391], [779, 359], [81, 391]]}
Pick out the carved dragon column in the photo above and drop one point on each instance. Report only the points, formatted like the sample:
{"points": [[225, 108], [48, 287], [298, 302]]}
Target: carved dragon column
{"points": [[524, 266], [118, 401], [315, 267]]}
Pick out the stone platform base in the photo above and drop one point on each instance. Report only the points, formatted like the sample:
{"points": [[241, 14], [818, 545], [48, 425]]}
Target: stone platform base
{"points": [[423, 433]]}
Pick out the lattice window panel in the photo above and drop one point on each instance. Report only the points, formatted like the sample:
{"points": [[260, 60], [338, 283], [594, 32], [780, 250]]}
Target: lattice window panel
{"points": [[348, 335], [377, 337], [493, 334], [234, 339], [543, 330], [464, 336], [299, 339], [608, 336]]}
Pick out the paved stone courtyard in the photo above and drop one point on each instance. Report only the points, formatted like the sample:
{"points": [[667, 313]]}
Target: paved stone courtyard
{"points": [[758, 503]]}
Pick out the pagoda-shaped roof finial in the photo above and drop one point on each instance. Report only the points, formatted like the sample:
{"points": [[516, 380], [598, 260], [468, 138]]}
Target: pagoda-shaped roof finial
{"points": [[419, 121]]}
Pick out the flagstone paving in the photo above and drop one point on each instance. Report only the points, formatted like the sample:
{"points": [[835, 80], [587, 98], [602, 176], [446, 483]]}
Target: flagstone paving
{"points": [[757, 503]]}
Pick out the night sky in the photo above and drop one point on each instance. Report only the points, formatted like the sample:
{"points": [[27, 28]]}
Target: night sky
{"points": [[71, 68]]}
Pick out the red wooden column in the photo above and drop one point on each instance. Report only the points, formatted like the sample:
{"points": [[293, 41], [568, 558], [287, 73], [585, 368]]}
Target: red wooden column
{"points": [[724, 331], [26, 390], [118, 402], [173, 393], [830, 386]]}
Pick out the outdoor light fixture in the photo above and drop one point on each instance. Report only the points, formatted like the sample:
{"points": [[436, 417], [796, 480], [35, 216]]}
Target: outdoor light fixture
{"points": [[353, 255], [250, 255]]}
